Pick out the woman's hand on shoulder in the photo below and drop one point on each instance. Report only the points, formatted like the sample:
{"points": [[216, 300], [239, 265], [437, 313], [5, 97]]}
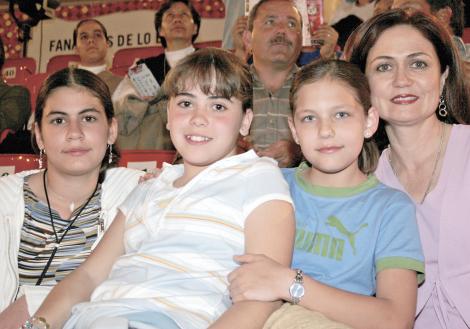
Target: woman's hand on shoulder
{"points": [[150, 175], [259, 278]]}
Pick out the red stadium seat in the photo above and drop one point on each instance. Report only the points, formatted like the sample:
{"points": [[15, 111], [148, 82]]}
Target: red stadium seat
{"points": [[59, 62], [147, 160], [16, 70], [466, 35], [13, 163], [4, 133], [124, 58], [205, 44], [34, 83]]}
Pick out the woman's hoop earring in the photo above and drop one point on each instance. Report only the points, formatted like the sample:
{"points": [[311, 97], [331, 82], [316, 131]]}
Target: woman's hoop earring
{"points": [[110, 155], [442, 107], [41, 158]]}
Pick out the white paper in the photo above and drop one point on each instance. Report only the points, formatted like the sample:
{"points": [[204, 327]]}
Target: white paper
{"points": [[143, 80]]}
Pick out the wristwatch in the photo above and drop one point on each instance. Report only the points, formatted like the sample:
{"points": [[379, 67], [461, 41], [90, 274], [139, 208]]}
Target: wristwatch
{"points": [[296, 289], [36, 323]]}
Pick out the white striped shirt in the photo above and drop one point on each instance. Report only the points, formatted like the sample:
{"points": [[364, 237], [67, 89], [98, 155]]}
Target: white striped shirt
{"points": [[180, 241]]}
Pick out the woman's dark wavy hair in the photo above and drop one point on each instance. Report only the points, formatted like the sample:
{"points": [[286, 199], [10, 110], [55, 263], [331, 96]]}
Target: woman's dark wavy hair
{"points": [[82, 79], [167, 5], [455, 90], [349, 75], [215, 72]]}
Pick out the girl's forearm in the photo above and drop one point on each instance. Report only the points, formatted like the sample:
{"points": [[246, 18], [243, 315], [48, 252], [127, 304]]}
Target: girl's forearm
{"points": [[247, 314], [78, 285], [391, 310], [75, 288]]}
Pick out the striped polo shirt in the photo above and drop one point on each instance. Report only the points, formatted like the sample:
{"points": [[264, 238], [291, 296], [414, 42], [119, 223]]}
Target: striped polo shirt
{"points": [[180, 242]]}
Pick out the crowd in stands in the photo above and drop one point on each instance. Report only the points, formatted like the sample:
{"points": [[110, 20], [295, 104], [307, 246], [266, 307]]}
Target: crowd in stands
{"points": [[321, 186]]}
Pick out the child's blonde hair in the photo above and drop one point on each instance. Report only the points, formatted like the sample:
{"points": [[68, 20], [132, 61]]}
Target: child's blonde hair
{"points": [[350, 75], [215, 72]]}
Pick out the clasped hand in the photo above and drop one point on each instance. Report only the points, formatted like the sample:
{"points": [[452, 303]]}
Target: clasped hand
{"points": [[259, 278]]}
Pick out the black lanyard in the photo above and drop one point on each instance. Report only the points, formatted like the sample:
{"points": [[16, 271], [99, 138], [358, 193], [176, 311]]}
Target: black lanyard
{"points": [[57, 240]]}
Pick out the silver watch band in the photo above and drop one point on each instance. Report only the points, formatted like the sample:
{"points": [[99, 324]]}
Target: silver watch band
{"points": [[297, 290]]}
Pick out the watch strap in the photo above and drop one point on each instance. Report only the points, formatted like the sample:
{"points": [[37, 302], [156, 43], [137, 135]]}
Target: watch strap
{"points": [[296, 290]]}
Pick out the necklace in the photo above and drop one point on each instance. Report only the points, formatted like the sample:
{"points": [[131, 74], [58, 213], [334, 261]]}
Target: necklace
{"points": [[436, 162], [71, 204], [57, 239]]}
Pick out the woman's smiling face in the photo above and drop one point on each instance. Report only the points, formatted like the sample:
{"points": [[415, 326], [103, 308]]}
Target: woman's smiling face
{"points": [[405, 77]]}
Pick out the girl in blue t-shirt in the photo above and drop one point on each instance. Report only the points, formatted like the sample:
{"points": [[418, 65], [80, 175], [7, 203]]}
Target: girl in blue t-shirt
{"points": [[357, 249]]}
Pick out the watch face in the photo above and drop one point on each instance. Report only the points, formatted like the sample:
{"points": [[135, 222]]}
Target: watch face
{"points": [[297, 290]]}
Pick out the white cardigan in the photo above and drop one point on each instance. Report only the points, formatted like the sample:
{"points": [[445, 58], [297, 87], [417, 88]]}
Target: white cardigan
{"points": [[119, 182]]}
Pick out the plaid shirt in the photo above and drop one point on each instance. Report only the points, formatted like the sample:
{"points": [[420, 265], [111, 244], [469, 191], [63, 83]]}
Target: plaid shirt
{"points": [[271, 111]]}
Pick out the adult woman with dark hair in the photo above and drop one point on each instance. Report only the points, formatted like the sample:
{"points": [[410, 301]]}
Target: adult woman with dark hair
{"points": [[416, 85], [51, 219]]}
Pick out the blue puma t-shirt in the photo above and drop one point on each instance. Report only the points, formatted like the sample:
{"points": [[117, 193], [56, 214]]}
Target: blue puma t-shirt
{"points": [[345, 236]]}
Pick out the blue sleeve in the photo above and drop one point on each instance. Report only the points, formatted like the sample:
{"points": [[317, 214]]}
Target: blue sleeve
{"points": [[398, 244]]}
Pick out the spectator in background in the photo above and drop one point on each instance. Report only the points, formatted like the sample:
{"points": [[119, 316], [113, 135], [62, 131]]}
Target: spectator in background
{"points": [[177, 25], [326, 36], [274, 35], [141, 120], [91, 44], [15, 105]]}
